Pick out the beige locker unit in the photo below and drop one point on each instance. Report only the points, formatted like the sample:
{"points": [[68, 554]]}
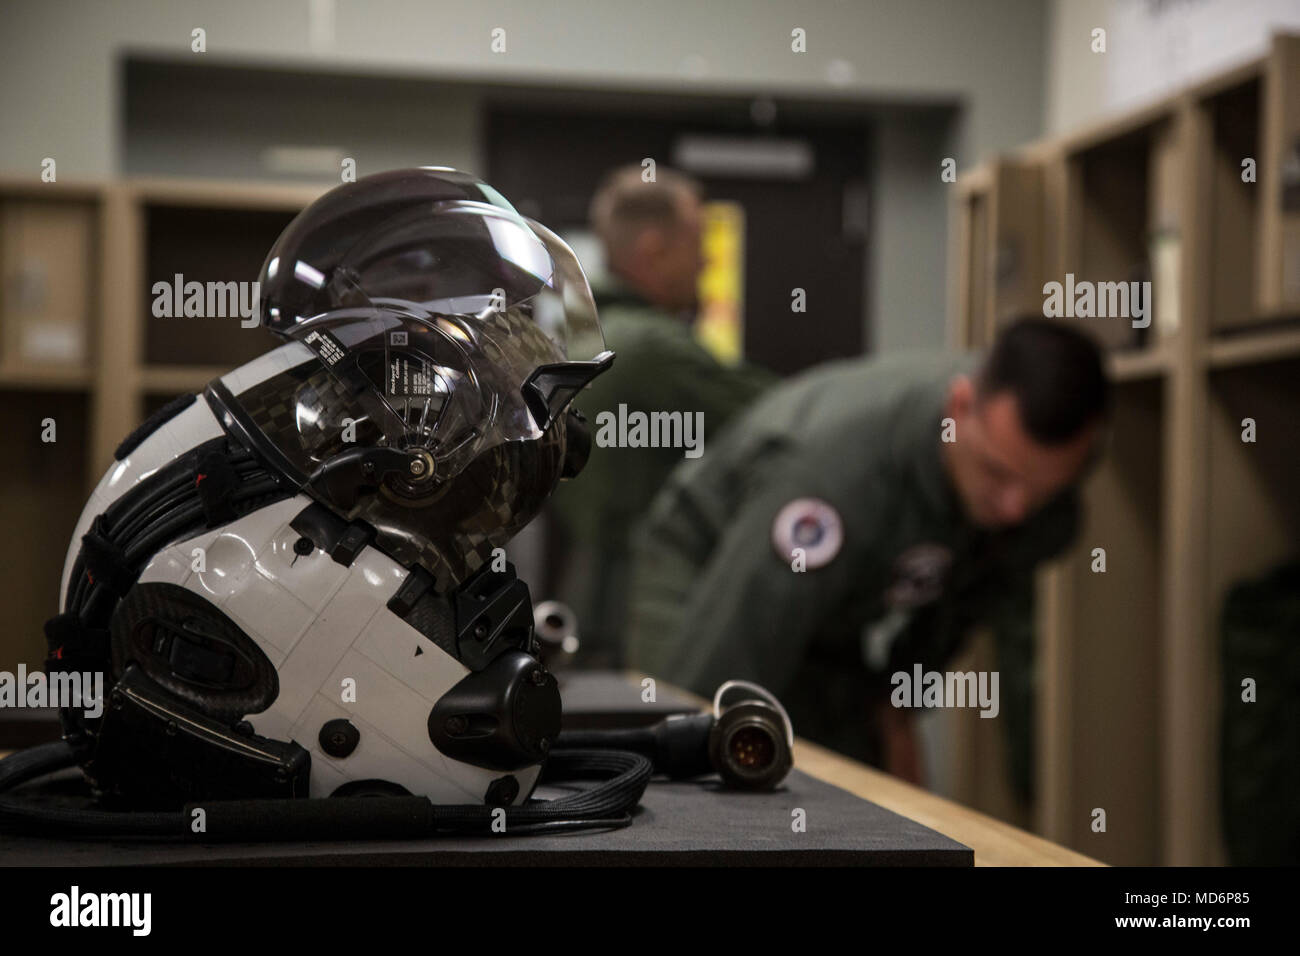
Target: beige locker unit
{"points": [[1254, 511], [1002, 261], [74, 318], [1129, 674], [1254, 116], [48, 326], [47, 280]]}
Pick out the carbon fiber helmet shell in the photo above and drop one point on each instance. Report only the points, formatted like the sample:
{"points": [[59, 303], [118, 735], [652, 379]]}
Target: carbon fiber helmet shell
{"points": [[425, 315]]}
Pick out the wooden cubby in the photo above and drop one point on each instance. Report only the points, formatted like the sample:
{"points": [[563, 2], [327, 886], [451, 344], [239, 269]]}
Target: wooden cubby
{"points": [[1099, 636], [48, 284], [42, 525], [1002, 265], [1254, 505], [204, 244], [50, 279], [207, 231], [1117, 196], [1234, 204], [108, 243], [1108, 217], [1128, 671]]}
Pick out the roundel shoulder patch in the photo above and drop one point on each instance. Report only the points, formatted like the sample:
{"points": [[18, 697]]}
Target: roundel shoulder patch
{"points": [[812, 525]]}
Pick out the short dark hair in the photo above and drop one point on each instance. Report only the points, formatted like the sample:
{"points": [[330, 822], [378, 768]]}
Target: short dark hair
{"points": [[1056, 372], [625, 203]]}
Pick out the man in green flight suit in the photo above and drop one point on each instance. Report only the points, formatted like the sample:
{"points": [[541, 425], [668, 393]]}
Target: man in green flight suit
{"points": [[858, 519], [650, 233]]}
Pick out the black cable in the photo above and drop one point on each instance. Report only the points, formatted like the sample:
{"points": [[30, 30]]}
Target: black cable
{"points": [[623, 777], [678, 747], [565, 826], [35, 762], [161, 483], [24, 765], [140, 507], [157, 506], [637, 739]]}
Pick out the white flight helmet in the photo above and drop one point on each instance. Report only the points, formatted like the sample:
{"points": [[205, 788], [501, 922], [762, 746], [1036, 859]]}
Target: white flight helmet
{"points": [[289, 579]]}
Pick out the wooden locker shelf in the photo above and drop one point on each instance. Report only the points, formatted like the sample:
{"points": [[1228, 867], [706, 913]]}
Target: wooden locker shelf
{"points": [[218, 231], [217, 194], [1129, 660], [1100, 642], [1134, 364], [1113, 207], [48, 265], [44, 378], [203, 243], [1266, 345], [43, 524]]}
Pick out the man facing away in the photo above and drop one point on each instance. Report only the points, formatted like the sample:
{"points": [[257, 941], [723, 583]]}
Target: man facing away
{"points": [[650, 234]]}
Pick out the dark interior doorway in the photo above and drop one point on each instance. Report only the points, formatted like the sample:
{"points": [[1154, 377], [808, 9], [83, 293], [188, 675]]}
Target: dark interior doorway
{"points": [[807, 232]]}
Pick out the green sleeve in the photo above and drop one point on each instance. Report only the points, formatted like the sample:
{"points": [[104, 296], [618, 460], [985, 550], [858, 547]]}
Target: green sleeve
{"points": [[750, 615], [676, 374]]}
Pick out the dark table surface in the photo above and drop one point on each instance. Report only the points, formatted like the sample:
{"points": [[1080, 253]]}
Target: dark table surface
{"points": [[678, 823]]}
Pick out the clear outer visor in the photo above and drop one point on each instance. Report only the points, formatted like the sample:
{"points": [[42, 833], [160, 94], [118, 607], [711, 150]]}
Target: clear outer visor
{"points": [[451, 258], [582, 338], [451, 315]]}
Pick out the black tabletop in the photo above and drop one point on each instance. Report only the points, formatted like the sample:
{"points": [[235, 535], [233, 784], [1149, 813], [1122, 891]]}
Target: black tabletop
{"points": [[692, 823]]}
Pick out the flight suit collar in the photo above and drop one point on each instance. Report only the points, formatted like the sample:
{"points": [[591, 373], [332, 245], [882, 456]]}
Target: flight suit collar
{"points": [[610, 290]]}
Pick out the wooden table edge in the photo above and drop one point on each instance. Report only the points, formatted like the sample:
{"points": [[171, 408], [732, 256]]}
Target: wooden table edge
{"points": [[994, 842]]}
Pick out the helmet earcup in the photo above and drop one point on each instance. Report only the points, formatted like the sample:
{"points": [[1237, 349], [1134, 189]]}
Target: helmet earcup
{"points": [[189, 647]]}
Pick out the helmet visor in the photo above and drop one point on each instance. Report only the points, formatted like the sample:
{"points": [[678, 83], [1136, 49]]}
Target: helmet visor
{"points": [[431, 326]]}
